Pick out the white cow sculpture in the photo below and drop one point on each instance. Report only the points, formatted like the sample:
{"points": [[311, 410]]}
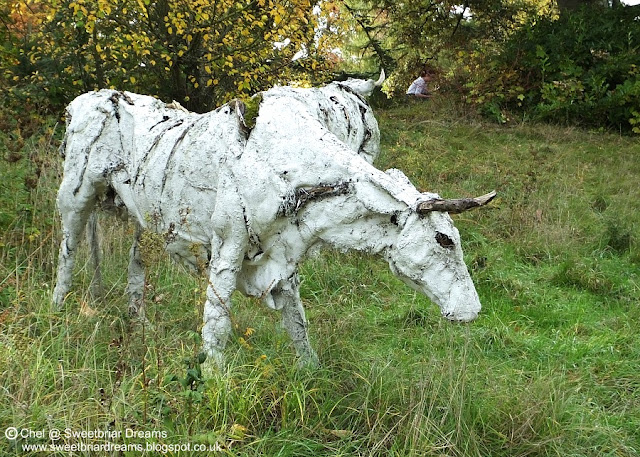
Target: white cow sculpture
{"points": [[251, 202]]}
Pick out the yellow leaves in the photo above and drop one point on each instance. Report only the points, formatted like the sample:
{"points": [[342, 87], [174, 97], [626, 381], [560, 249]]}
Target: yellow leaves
{"points": [[231, 41], [237, 432], [86, 310], [244, 343], [82, 9]]}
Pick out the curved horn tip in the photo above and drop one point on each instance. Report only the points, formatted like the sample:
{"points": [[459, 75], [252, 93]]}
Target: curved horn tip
{"points": [[484, 199], [381, 79]]}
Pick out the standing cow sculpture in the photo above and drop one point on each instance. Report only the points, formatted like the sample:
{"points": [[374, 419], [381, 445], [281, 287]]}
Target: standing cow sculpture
{"points": [[249, 200]]}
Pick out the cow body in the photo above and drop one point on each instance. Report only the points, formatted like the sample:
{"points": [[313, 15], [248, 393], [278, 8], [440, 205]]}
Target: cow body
{"points": [[247, 204]]}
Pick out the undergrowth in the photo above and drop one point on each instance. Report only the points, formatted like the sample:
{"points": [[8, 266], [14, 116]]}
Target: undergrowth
{"points": [[549, 368]]}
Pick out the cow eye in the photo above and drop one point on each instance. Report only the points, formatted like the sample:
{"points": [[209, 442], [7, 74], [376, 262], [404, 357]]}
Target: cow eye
{"points": [[444, 241]]}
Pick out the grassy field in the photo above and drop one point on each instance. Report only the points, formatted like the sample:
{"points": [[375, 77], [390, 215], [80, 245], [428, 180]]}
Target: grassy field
{"points": [[551, 366]]}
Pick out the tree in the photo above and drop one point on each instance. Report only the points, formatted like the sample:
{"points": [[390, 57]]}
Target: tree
{"points": [[198, 52], [408, 36]]}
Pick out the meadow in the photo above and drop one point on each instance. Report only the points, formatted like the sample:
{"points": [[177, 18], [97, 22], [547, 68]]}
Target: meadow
{"points": [[550, 368]]}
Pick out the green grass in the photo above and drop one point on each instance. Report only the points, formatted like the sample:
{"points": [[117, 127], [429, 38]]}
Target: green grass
{"points": [[551, 366]]}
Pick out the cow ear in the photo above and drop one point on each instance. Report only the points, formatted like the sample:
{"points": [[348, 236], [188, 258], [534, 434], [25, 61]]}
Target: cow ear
{"points": [[380, 197], [399, 176]]}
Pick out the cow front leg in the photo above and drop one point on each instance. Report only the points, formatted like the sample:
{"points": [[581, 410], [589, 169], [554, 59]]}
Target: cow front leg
{"points": [[216, 327], [215, 331], [226, 262], [74, 206], [287, 297], [229, 241], [136, 278]]}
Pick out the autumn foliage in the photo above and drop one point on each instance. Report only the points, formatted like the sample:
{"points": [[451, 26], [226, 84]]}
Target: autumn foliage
{"points": [[197, 52]]}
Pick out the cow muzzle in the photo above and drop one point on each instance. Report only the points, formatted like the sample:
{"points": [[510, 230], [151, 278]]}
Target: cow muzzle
{"points": [[463, 304]]}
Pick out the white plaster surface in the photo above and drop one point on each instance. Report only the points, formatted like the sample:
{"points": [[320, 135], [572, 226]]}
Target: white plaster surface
{"points": [[234, 194]]}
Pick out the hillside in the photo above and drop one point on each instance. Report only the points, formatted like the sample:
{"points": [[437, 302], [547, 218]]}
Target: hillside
{"points": [[551, 366]]}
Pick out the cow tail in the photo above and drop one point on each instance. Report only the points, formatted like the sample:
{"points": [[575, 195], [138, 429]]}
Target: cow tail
{"points": [[63, 146]]}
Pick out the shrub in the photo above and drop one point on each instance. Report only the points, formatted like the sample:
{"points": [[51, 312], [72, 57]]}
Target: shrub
{"points": [[581, 68]]}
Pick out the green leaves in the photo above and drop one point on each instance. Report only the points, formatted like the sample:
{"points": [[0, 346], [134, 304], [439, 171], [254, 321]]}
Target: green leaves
{"points": [[200, 53], [579, 69]]}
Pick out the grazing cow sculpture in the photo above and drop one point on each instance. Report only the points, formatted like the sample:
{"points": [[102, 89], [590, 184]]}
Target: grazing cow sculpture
{"points": [[250, 199]]}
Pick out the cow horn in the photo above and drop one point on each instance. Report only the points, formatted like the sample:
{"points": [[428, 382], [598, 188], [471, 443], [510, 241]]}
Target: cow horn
{"points": [[454, 206], [381, 79]]}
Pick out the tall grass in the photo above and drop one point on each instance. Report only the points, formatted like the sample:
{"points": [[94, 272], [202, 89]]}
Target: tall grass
{"points": [[551, 367]]}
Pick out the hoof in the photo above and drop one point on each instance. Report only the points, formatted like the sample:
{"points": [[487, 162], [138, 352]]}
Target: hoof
{"points": [[211, 368], [308, 363]]}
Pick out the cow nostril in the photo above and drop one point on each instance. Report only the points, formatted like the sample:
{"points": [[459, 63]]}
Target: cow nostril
{"points": [[465, 317]]}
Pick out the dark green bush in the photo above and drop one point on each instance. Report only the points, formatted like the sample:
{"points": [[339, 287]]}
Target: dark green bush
{"points": [[581, 68]]}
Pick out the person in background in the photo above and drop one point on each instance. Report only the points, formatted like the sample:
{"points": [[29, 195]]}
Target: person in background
{"points": [[418, 88]]}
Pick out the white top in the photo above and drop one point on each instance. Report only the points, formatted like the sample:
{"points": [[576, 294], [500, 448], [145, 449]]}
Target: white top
{"points": [[419, 86]]}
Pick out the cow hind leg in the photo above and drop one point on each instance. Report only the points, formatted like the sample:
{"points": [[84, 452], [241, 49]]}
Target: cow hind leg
{"points": [[75, 208], [136, 278], [94, 248], [287, 297]]}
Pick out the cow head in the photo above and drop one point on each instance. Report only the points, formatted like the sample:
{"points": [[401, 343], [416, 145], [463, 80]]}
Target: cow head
{"points": [[427, 255], [363, 87]]}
